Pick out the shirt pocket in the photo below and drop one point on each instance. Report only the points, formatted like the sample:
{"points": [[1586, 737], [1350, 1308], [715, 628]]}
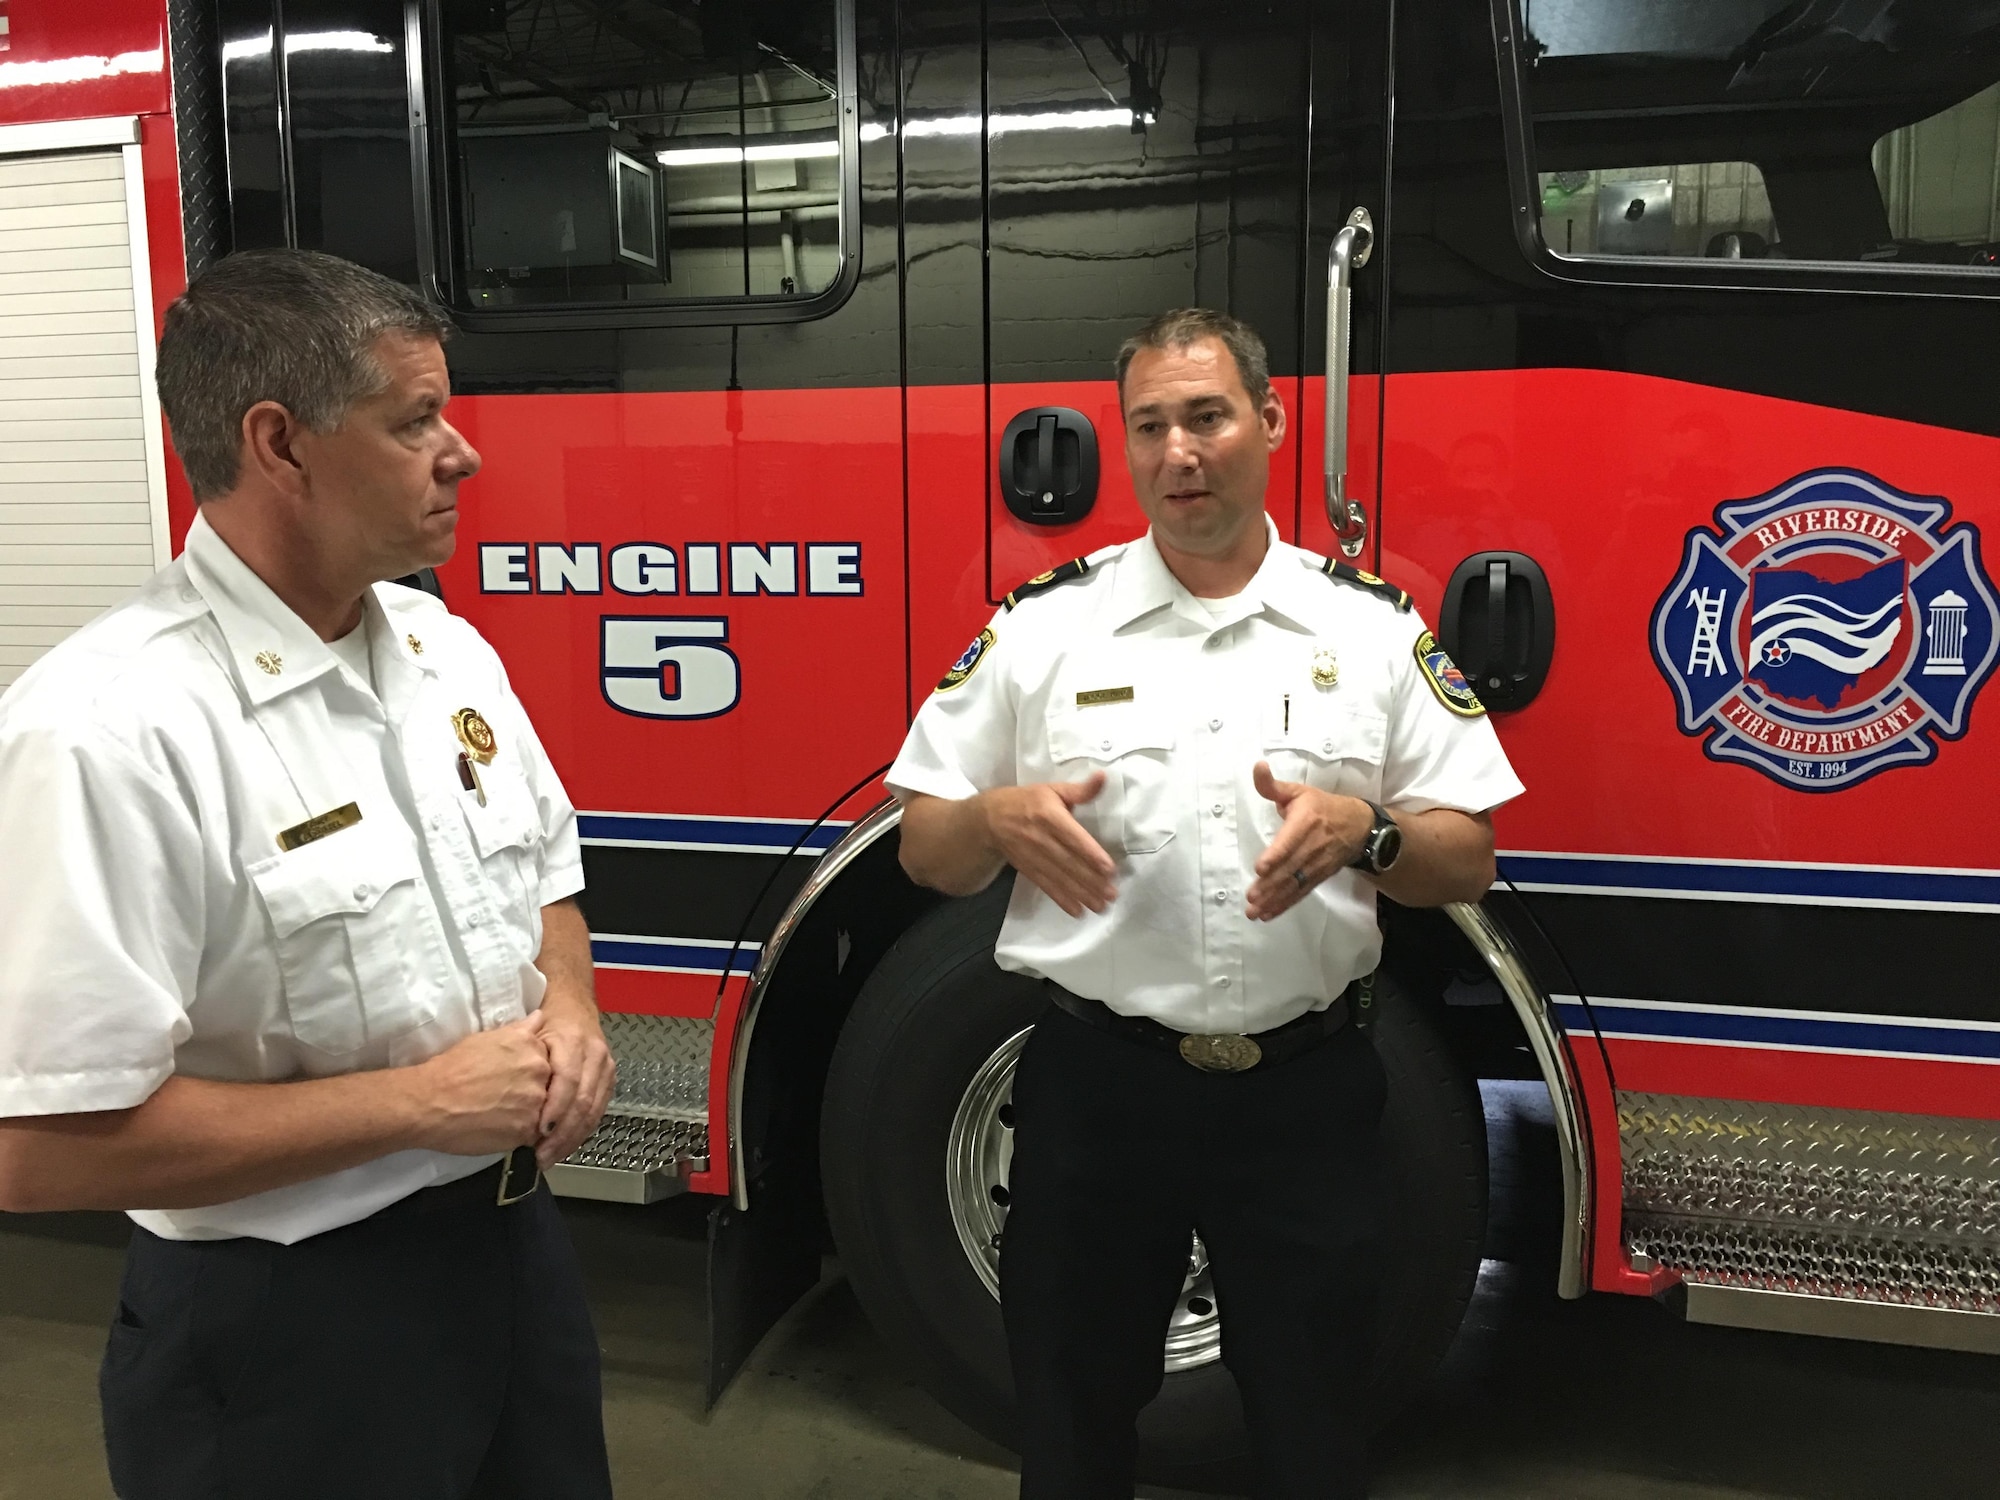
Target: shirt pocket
{"points": [[1328, 745], [1134, 813], [347, 913], [507, 833]]}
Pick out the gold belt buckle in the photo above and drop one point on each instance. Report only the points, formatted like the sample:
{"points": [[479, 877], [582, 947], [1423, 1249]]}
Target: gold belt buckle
{"points": [[1221, 1054], [520, 1175]]}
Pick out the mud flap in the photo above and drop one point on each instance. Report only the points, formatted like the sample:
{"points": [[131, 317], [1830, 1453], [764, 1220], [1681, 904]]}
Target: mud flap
{"points": [[760, 1262]]}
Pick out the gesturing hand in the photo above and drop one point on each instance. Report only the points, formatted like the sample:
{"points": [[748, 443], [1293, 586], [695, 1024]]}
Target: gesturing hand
{"points": [[1041, 838], [1322, 833]]}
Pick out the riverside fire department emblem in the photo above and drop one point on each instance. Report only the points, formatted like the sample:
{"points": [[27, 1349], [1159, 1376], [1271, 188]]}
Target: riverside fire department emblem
{"points": [[1828, 630]]}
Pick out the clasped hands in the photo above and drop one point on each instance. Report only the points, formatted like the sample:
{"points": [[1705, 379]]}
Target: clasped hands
{"points": [[542, 1081], [1035, 828]]}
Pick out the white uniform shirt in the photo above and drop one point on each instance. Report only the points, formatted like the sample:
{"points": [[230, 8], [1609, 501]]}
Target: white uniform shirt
{"points": [[150, 924], [1176, 699]]}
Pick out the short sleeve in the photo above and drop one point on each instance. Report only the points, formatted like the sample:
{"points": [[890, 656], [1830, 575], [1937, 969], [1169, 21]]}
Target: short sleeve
{"points": [[1442, 751], [962, 742], [101, 921], [560, 856]]}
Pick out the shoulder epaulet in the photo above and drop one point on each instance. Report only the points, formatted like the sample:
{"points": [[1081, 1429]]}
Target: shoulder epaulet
{"points": [[1041, 583], [1381, 588]]}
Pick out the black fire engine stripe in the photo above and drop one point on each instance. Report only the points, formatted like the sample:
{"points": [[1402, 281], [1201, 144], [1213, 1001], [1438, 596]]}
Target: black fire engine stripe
{"points": [[688, 893], [1852, 960]]}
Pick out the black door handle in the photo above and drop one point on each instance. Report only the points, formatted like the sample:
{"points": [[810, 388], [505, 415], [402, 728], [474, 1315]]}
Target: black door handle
{"points": [[1499, 624], [1496, 610], [1048, 465], [1045, 458]]}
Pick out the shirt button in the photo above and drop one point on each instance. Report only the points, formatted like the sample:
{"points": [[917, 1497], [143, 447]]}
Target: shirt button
{"points": [[1222, 983], [1216, 810], [1104, 744], [1220, 897], [188, 596], [1215, 723], [475, 919], [1327, 748], [363, 892]]}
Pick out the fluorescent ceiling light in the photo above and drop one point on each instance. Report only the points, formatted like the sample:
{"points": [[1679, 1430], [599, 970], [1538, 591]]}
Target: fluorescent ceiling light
{"points": [[936, 125], [1009, 124], [307, 41], [14, 75], [335, 41], [1061, 119], [709, 156]]}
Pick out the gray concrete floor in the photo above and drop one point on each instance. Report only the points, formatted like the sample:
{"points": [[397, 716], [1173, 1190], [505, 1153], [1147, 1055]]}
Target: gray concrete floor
{"points": [[1604, 1399]]}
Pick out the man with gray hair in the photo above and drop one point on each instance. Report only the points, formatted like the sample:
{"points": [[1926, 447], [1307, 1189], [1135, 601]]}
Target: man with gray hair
{"points": [[290, 965]]}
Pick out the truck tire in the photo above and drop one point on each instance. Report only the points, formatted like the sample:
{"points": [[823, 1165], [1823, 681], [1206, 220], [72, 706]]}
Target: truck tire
{"points": [[925, 1057]]}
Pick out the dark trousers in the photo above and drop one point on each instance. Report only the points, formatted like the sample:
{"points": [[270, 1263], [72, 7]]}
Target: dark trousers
{"points": [[1120, 1153], [440, 1350]]}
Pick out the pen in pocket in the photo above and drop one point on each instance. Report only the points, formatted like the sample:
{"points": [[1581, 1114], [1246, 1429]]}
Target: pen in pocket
{"points": [[468, 777]]}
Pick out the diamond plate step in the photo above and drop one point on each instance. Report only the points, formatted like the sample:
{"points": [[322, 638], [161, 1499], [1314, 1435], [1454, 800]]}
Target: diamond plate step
{"points": [[633, 1159], [1901, 1210]]}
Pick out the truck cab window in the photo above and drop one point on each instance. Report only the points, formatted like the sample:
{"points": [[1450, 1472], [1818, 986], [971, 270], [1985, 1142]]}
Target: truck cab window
{"points": [[1940, 180], [1679, 208], [1680, 129], [660, 152]]}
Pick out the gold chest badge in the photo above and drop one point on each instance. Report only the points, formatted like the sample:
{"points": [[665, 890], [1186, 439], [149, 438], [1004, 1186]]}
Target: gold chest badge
{"points": [[475, 734], [1325, 667]]}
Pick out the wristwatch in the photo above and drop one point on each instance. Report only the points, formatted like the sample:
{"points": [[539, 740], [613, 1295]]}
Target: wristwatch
{"points": [[1383, 844]]}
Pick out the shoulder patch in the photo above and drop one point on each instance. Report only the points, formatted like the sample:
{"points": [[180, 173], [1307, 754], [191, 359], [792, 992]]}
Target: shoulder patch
{"points": [[968, 662], [1353, 577], [1041, 583], [1446, 681]]}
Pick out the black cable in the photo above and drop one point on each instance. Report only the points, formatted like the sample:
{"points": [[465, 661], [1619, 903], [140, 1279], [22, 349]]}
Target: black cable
{"points": [[750, 913]]}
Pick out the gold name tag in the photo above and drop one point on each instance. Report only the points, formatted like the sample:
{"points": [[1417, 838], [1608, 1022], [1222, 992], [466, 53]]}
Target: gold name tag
{"points": [[1104, 695], [299, 835]]}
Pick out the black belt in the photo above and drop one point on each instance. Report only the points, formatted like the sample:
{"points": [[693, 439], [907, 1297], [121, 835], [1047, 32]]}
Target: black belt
{"points": [[1213, 1053], [508, 1180]]}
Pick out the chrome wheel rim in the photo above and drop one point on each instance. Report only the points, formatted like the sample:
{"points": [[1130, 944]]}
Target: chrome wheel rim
{"points": [[978, 1156]]}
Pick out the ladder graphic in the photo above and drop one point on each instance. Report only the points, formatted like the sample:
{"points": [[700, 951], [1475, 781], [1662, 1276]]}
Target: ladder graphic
{"points": [[1706, 654]]}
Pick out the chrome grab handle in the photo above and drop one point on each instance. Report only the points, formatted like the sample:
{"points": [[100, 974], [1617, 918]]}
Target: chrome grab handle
{"points": [[1347, 254]]}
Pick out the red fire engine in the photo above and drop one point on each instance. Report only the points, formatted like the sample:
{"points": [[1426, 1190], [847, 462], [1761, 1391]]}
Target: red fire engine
{"points": [[785, 328]]}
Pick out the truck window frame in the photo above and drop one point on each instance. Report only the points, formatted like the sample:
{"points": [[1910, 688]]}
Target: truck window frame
{"points": [[1867, 278], [431, 139]]}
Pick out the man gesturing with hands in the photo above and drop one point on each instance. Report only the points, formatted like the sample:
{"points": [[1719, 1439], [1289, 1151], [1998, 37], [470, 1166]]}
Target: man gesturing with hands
{"points": [[1204, 753], [291, 968]]}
